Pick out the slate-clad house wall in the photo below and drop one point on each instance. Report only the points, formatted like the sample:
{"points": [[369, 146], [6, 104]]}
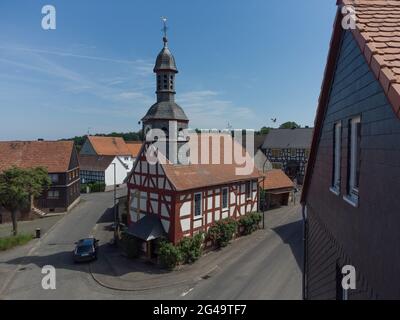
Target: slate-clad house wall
{"points": [[365, 235]]}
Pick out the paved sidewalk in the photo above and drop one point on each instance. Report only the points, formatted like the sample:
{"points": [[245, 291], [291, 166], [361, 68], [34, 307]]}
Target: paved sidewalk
{"points": [[29, 227]]}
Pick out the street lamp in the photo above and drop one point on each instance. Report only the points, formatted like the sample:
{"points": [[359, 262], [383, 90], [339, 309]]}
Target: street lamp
{"points": [[265, 162], [116, 222]]}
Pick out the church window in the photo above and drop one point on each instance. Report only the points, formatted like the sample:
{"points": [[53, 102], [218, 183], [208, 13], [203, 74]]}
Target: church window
{"points": [[197, 204], [224, 198]]}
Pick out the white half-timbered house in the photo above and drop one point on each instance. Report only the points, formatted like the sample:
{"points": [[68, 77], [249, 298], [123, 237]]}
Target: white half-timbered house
{"points": [[190, 198]]}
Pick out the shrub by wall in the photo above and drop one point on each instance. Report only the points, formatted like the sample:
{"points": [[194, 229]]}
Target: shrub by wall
{"points": [[250, 222], [97, 187], [222, 232], [191, 248], [170, 256]]}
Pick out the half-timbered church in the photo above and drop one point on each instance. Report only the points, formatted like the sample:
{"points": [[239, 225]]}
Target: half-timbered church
{"points": [[175, 198]]}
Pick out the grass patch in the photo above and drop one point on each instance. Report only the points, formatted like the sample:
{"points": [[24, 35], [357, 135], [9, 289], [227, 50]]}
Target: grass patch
{"points": [[13, 241]]}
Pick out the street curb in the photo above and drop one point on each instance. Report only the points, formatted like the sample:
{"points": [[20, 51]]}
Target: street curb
{"points": [[193, 281]]}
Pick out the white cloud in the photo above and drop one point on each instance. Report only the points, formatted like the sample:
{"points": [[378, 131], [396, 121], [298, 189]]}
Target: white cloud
{"points": [[207, 109]]}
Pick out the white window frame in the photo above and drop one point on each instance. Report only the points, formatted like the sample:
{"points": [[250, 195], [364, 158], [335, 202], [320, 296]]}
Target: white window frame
{"points": [[352, 196], [53, 192], [227, 198], [337, 157], [198, 216]]}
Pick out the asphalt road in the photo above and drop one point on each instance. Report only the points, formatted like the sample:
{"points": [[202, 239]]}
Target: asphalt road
{"points": [[267, 267], [73, 281]]}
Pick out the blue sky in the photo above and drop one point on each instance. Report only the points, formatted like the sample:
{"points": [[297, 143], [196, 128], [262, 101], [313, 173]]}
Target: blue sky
{"points": [[242, 62]]}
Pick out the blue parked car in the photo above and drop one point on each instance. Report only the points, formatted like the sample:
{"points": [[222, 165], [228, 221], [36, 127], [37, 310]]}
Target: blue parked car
{"points": [[86, 250]]}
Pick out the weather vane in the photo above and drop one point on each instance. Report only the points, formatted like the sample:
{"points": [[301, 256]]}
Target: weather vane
{"points": [[165, 28]]}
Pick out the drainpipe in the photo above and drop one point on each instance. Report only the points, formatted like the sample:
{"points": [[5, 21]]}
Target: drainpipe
{"points": [[304, 214]]}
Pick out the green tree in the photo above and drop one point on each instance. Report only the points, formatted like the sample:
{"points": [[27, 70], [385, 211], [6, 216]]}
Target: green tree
{"points": [[19, 186], [264, 130], [289, 125]]}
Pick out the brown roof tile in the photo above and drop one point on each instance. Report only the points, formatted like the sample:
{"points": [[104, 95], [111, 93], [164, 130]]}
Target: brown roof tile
{"points": [[193, 176], [53, 155], [378, 35], [134, 147], [109, 146], [276, 179]]}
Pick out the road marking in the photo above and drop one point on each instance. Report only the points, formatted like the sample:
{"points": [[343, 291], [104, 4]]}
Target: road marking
{"points": [[186, 292]]}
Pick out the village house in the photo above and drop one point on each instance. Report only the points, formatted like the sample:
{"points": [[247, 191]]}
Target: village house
{"points": [[288, 149], [61, 161], [350, 199], [102, 169], [277, 186], [278, 189], [101, 156], [175, 199]]}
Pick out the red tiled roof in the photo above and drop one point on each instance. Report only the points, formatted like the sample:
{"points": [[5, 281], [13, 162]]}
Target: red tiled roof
{"points": [[134, 147], [53, 155], [276, 179], [109, 146], [378, 35], [193, 176]]}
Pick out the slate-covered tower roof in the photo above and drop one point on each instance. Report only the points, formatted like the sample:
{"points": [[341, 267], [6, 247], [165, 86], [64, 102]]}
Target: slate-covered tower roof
{"points": [[165, 108]]}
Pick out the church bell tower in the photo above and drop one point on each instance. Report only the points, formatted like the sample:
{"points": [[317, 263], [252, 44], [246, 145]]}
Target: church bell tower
{"points": [[166, 114]]}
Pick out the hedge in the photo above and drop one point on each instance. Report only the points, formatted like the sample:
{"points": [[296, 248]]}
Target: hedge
{"points": [[93, 187]]}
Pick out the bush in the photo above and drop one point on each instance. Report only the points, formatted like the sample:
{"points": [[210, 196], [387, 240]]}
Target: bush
{"points": [[13, 241], [97, 186], [83, 188], [191, 248], [130, 246], [222, 232], [250, 222], [170, 256]]}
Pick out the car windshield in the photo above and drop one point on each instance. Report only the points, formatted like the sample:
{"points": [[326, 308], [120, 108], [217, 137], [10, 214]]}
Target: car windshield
{"points": [[84, 249]]}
